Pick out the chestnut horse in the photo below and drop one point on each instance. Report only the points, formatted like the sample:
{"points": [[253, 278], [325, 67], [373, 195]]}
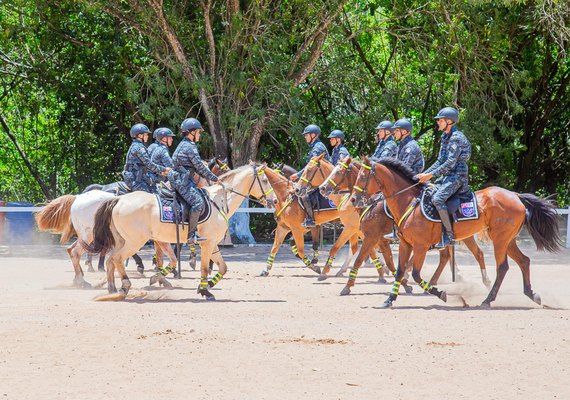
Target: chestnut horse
{"points": [[374, 224], [501, 212], [290, 216]]}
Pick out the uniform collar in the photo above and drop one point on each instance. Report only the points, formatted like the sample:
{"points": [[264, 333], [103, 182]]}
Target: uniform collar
{"points": [[317, 140], [188, 140], [137, 141], [161, 144], [406, 140], [387, 140]]}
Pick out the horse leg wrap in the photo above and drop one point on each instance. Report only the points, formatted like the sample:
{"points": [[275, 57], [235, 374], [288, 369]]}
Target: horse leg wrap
{"points": [[315, 254], [395, 288], [352, 274], [193, 248], [306, 261], [329, 263], [164, 271], [295, 250], [203, 284], [425, 286], [270, 261], [154, 260], [377, 263], [215, 280]]}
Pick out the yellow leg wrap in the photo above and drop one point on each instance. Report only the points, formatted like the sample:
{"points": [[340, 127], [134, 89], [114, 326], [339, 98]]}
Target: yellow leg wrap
{"points": [[203, 284], [218, 277], [165, 270], [394, 273], [377, 263], [396, 288], [425, 286], [295, 250], [315, 254], [352, 274], [193, 248], [270, 259], [306, 261], [329, 262]]}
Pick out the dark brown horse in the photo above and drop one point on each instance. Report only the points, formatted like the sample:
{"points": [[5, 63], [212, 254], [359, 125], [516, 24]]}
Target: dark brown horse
{"points": [[501, 212], [375, 223]]}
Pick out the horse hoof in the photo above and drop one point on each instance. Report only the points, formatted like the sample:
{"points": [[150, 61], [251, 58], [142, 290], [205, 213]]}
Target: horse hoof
{"points": [[443, 297], [210, 298], [382, 280], [155, 278], [485, 305], [386, 304], [166, 284], [536, 299], [314, 268], [264, 273], [339, 274], [345, 291], [409, 289], [175, 273], [322, 277], [315, 261]]}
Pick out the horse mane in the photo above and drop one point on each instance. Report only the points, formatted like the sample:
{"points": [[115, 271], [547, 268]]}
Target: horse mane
{"points": [[357, 164], [401, 169]]}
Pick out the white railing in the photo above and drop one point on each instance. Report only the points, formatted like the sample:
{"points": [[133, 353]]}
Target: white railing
{"points": [[560, 211]]}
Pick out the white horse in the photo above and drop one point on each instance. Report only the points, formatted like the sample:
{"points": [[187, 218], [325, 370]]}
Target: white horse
{"points": [[124, 224], [75, 214]]}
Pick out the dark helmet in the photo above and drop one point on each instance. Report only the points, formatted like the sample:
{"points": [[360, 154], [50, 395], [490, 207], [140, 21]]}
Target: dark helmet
{"points": [[404, 124], [386, 125], [155, 133], [448, 113], [312, 129], [137, 129], [189, 124], [337, 133], [162, 133]]}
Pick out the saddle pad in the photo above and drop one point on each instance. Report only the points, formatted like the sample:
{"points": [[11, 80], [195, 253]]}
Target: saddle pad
{"points": [[167, 209], [387, 211], [462, 207], [320, 203]]}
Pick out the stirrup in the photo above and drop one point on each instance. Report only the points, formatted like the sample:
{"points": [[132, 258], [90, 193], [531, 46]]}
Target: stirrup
{"points": [[392, 236], [309, 223], [195, 239], [446, 240]]}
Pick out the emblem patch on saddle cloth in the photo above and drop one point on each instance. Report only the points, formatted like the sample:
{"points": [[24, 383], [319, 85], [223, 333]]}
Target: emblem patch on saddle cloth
{"points": [[461, 207], [166, 207]]}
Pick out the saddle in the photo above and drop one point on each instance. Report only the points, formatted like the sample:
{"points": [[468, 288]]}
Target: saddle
{"points": [[319, 202], [461, 206], [169, 200]]}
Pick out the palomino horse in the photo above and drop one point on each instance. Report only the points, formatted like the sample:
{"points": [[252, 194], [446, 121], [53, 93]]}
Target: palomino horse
{"points": [[74, 215], [289, 216], [287, 171], [374, 224], [124, 224], [501, 212]]}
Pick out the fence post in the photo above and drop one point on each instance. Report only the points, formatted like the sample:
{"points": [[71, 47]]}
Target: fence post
{"points": [[568, 229]]}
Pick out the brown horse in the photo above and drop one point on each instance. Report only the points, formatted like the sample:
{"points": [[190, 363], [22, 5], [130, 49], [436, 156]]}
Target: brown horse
{"points": [[290, 216], [501, 212], [375, 223]]}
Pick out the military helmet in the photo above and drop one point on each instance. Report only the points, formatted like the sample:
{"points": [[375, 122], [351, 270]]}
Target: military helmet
{"points": [[386, 125], [312, 129], [448, 113], [162, 133], [337, 133], [404, 124], [189, 124], [137, 129]]}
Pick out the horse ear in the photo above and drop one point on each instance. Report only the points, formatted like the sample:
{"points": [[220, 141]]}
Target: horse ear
{"points": [[347, 160]]}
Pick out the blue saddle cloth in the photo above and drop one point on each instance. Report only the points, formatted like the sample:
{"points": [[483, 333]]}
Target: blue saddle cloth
{"points": [[461, 206], [319, 202], [166, 200]]}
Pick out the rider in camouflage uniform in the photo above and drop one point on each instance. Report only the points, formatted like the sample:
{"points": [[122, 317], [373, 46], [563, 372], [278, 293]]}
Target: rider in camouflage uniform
{"points": [[339, 152], [316, 148], [186, 161], [450, 168], [386, 147], [138, 162], [408, 152], [160, 155], [153, 145]]}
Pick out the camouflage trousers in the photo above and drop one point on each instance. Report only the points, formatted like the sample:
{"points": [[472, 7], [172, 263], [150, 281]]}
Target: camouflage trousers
{"points": [[447, 189]]}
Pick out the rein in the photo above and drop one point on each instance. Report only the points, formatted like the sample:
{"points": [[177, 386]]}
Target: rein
{"points": [[373, 172], [337, 185], [310, 181]]}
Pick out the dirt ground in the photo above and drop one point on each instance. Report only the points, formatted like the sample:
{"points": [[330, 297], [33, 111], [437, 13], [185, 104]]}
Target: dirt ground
{"points": [[286, 336]]}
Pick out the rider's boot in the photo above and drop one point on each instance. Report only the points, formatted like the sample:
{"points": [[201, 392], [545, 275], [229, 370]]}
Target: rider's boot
{"points": [[447, 236], [192, 228], [309, 220]]}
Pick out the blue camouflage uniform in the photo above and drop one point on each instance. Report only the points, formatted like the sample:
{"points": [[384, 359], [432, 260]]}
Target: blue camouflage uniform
{"points": [[451, 167], [338, 153], [385, 148], [161, 157], [151, 148], [409, 153], [137, 165], [186, 160], [315, 149]]}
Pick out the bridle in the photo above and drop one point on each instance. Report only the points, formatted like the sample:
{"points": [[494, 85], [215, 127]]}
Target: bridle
{"points": [[336, 185], [373, 173], [256, 174], [310, 180]]}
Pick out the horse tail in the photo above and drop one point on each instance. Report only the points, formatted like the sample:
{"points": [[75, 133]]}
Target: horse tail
{"points": [[56, 217], [103, 239], [94, 186], [541, 222]]}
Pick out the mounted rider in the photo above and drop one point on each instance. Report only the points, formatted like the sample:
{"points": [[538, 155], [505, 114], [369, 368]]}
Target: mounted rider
{"points": [[316, 148], [339, 152], [138, 162], [153, 145], [386, 147], [160, 155], [450, 168], [409, 153], [187, 161]]}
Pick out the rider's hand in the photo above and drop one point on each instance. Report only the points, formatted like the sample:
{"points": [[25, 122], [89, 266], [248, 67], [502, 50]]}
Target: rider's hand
{"points": [[294, 177], [424, 177], [165, 172]]}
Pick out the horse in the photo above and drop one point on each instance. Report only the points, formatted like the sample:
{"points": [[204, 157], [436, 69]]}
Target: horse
{"points": [[502, 214], [375, 223], [287, 171], [71, 215], [123, 224], [289, 216]]}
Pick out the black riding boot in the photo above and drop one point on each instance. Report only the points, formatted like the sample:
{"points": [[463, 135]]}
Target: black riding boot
{"points": [[447, 236], [192, 227], [309, 221]]}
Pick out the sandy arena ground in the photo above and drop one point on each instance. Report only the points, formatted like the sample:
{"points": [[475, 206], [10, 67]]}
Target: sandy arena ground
{"points": [[282, 337]]}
